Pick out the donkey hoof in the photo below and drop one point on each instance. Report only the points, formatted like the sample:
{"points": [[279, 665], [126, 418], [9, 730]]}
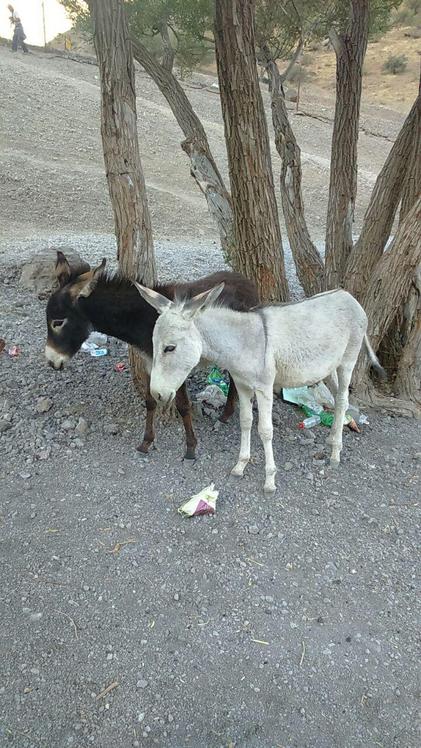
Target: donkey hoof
{"points": [[269, 488], [190, 454], [143, 448], [333, 464], [238, 470]]}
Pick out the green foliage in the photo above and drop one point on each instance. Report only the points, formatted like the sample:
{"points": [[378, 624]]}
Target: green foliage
{"points": [[279, 25], [395, 64], [78, 12]]}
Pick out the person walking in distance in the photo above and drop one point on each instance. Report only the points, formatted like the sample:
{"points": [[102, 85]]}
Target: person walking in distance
{"points": [[19, 35]]}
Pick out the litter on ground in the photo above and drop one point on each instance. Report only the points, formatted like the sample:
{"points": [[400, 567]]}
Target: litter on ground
{"points": [[201, 503]]}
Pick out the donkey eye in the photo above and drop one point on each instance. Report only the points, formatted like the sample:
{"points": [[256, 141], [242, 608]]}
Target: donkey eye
{"points": [[57, 323], [169, 348]]}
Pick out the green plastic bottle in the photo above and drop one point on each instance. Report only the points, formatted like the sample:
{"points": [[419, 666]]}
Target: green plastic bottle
{"points": [[216, 377], [326, 417]]}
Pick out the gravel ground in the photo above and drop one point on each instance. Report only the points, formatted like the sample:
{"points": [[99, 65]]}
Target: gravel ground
{"points": [[290, 621]]}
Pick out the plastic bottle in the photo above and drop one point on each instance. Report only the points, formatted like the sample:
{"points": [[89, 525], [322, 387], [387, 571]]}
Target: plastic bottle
{"points": [[98, 338], [309, 422], [215, 377]]}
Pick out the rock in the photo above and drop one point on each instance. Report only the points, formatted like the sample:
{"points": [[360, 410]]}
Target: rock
{"points": [[288, 466], [4, 426], [82, 427], [111, 428], [141, 683], [68, 425], [38, 274], [43, 405], [253, 530], [417, 456]]}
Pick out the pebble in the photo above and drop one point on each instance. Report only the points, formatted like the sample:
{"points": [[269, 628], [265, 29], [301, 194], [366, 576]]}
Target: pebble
{"points": [[288, 466], [110, 428], [253, 530], [43, 405], [4, 425], [68, 425], [82, 427], [141, 684]]}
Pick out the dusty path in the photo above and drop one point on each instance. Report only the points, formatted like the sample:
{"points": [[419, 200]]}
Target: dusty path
{"points": [[51, 165]]}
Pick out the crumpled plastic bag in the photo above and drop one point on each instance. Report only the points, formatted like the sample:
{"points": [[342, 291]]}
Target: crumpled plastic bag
{"points": [[201, 503], [213, 396]]}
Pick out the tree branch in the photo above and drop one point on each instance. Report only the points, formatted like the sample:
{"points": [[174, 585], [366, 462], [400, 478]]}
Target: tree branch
{"points": [[336, 41]]}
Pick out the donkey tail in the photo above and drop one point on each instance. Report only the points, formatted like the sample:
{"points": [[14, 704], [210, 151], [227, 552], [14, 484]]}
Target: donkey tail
{"points": [[374, 360]]}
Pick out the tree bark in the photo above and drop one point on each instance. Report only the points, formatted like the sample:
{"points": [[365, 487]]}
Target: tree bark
{"points": [[202, 164], [308, 263], [390, 287], [168, 56], [350, 48], [123, 167], [412, 188], [384, 201], [408, 378], [258, 249]]}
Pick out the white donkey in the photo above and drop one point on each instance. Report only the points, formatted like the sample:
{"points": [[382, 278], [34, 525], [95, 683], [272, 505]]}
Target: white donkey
{"points": [[285, 345]]}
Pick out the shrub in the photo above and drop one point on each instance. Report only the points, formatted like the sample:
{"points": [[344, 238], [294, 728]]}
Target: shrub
{"points": [[395, 64]]}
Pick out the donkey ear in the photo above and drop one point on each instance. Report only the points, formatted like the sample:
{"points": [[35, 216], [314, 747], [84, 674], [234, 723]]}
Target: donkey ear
{"points": [[202, 300], [63, 271], [86, 282], [155, 299]]}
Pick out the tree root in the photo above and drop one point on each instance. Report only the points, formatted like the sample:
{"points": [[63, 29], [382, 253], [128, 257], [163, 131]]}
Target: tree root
{"points": [[367, 395]]}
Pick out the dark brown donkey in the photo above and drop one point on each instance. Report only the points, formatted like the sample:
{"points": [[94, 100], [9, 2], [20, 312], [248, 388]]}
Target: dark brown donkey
{"points": [[90, 300]]}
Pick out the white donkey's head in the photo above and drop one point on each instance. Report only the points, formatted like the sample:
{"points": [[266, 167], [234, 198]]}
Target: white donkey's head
{"points": [[177, 343]]}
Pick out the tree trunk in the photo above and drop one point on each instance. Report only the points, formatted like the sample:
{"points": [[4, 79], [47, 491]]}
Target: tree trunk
{"points": [[408, 378], [350, 49], [390, 288], [123, 167], [168, 56], [258, 248], [384, 201], [308, 263], [412, 188], [202, 165]]}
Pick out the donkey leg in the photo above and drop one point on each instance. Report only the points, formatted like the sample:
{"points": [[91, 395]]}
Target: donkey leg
{"points": [[265, 428], [230, 404], [184, 408], [149, 435], [341, 404], [332, 383], [245, 396]]}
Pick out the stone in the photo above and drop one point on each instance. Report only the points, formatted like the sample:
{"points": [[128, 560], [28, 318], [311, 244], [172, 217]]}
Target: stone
{"points": [[44, 404], [38, 273], [111, 428], [288, 466], [68, 425], [4, 426], [141, 683], [82, 427], [253, 530]]}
